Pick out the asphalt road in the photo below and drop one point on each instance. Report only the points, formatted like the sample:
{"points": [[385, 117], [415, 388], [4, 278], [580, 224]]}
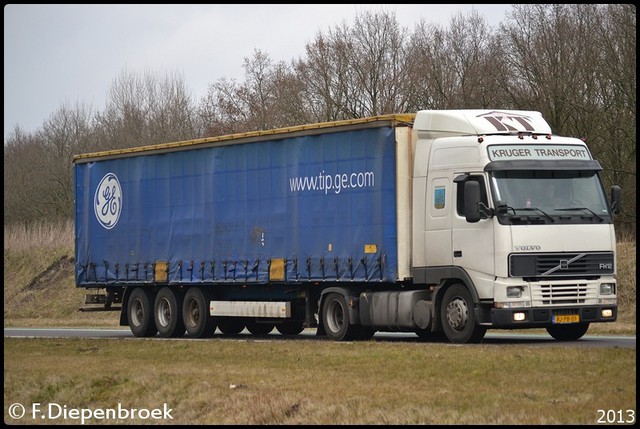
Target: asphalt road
{"points": [[492, 337]]}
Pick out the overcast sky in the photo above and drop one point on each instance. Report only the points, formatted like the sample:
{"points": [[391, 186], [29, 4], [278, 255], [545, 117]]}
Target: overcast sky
{"points": [[70, 54]]}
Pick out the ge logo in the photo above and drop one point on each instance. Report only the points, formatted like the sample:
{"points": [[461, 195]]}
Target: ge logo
{"points": [[107, 203]]}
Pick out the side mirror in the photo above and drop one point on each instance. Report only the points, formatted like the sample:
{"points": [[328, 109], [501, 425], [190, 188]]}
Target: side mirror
{"points": [[472, 201], [616, 199], [502, 208]]}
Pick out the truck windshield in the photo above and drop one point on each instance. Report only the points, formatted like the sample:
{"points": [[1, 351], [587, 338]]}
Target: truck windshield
{"points": [[543, 196]]}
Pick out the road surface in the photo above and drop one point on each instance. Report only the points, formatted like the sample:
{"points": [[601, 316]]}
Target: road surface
{"points": [[495, 337]]}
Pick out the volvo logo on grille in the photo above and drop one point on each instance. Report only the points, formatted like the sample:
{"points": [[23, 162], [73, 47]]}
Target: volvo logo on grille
{"points": [[563, 265], [528, 247]]}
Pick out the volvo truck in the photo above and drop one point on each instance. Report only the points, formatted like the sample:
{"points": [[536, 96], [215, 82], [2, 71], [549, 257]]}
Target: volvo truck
{"points": [[443, 223]]}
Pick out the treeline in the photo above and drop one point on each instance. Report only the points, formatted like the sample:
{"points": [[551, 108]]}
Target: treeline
{"points": [[575, 63]]}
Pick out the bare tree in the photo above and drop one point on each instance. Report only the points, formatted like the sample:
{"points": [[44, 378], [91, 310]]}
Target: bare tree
{"points": [[270, 97], [358, 71], [324, 73], [38, 167], [66, 133], [576, 64], [143, 110], [22, 185], [456, 66]]}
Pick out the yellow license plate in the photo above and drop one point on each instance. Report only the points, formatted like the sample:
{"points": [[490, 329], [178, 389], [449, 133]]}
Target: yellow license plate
{"points": [[570, 318]]}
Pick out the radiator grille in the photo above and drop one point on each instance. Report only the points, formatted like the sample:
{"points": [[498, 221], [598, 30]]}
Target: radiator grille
{"points": [[563, 294], [561, 264]]}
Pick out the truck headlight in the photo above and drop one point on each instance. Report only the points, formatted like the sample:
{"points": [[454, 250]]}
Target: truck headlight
{"points": [[607, 288], [514, 292]]}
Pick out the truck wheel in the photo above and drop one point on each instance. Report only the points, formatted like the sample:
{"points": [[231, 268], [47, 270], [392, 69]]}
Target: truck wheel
{"points": [[459, 318], [167, 313], [195, 314], [258, 328], [568, 332], [290, 328], [140, 312], [230, 325], [335, 317]]}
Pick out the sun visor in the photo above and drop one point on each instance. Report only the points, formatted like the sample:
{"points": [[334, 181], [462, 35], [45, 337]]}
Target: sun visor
{"points": [[479, 122], [573, 165]]}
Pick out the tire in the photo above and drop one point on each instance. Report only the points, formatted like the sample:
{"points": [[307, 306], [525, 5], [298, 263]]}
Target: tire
{"points": [[230, 325], [259, 328], [195, 314], [290, 328], [167, 313], [568, 332], [140, 312], [335, 318], [459, 318]]}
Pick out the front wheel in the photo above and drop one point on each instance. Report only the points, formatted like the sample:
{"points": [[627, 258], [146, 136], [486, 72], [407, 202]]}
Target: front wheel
{"points": [[568, 332], [459, 318]]}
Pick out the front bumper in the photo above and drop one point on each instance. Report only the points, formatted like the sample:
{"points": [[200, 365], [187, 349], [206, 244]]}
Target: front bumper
{"points": [[543, 317]]}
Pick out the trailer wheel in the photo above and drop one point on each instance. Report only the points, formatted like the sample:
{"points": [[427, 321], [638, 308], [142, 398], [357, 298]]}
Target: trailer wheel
{"points": [[290, 328], [140, 312], [458, 316], [167, 313], [195, 314], [259, 328], [568, 332], [335, 317], [230, 325]]}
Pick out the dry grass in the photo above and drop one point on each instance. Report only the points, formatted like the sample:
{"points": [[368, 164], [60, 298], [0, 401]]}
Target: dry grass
{"points": [[222, 381], [47, 235], [626, 258], [39, 288]]}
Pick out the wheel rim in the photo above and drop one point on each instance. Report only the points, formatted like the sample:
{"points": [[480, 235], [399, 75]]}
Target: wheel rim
{"points": [[457, 314], [164, 312], [137, 312], [193, 315], [335, 319]]}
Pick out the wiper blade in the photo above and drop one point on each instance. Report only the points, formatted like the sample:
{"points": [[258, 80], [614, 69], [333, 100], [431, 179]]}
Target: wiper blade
{"points": [[581, 208], [537, 210]]}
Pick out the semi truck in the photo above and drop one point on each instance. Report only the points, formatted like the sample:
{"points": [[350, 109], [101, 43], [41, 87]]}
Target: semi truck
{"points": [[442, 223]]}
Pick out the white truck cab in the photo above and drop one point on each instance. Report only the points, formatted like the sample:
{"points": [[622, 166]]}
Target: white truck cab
{"points": [[511, 225]]}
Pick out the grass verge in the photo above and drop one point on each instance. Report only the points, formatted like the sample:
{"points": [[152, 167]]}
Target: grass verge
{"points": [[223, 381]]}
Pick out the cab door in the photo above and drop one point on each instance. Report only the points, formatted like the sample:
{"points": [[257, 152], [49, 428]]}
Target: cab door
{"points": [[473, 243]]}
